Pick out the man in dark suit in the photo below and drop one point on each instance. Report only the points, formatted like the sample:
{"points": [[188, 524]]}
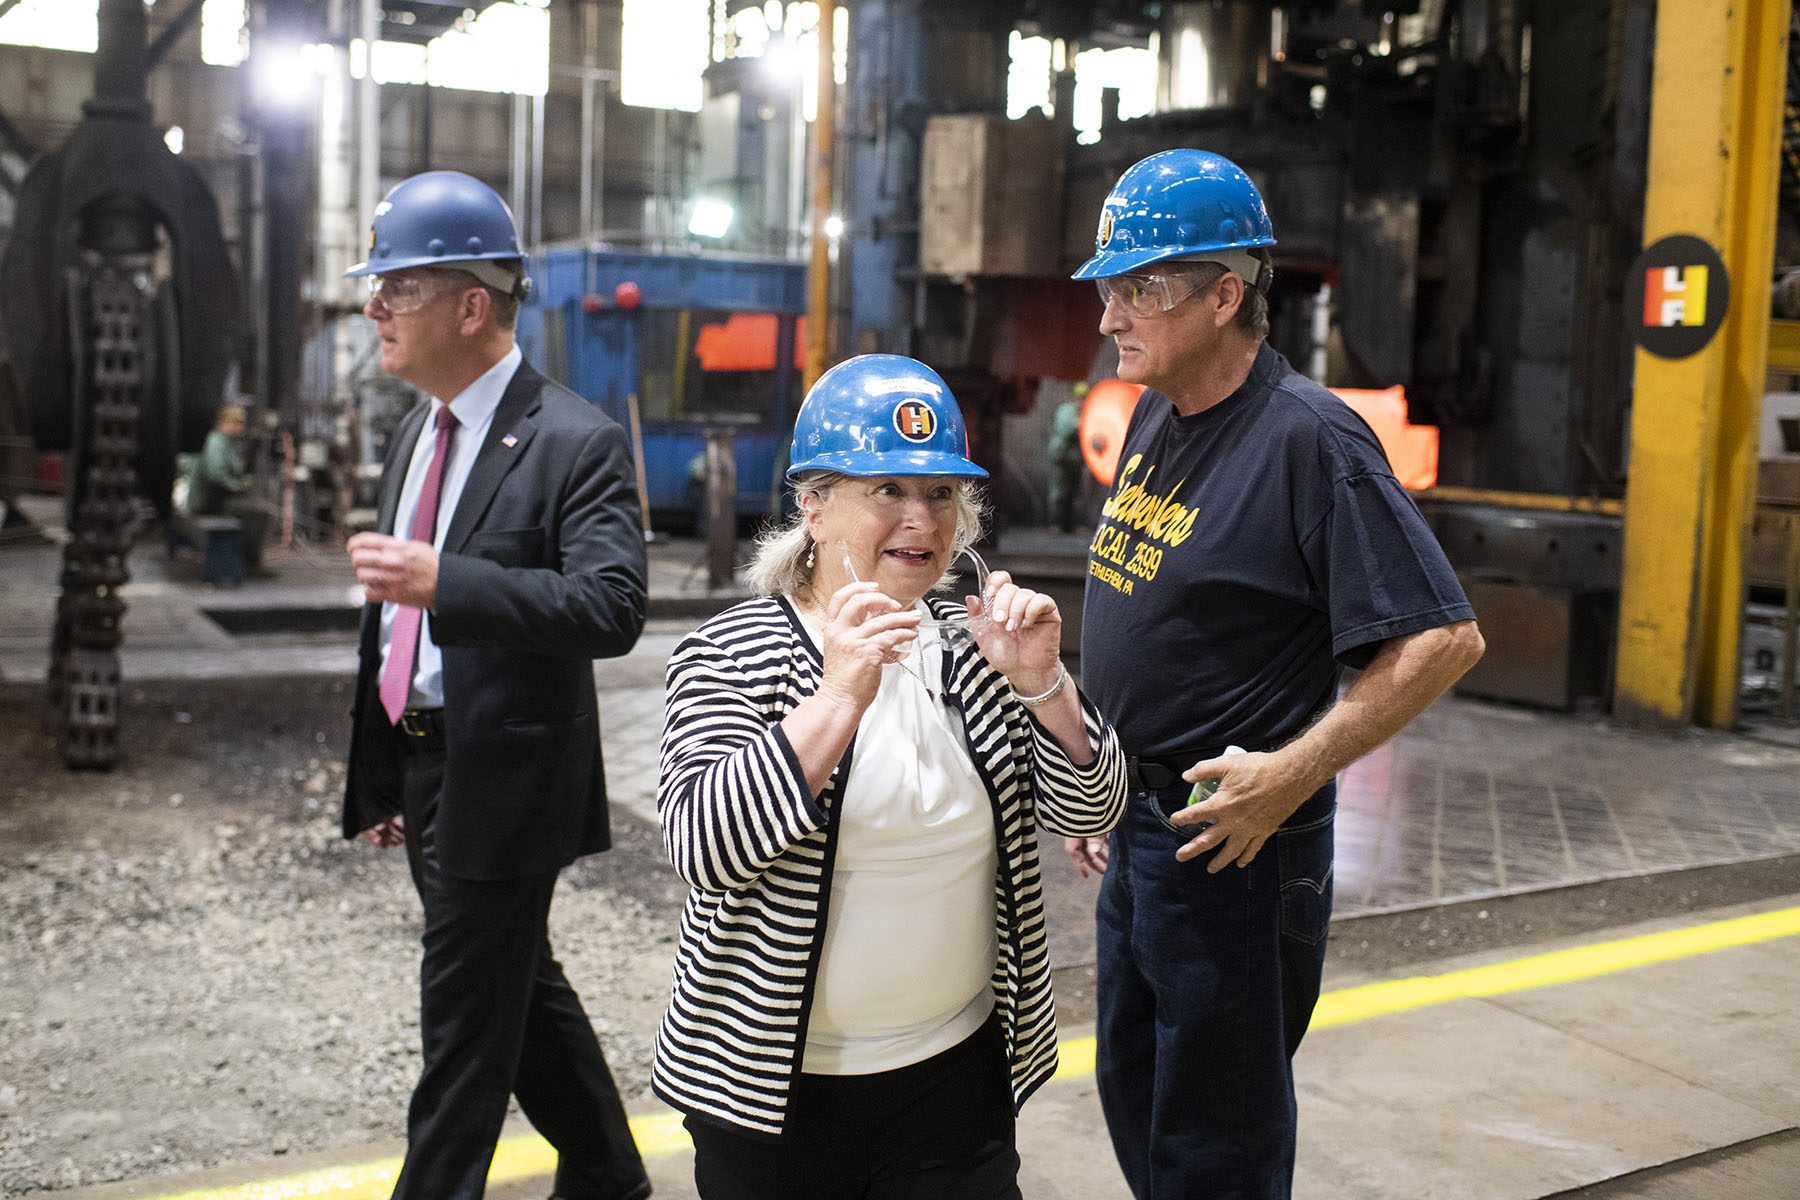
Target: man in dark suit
{"points": [[509, 557]]}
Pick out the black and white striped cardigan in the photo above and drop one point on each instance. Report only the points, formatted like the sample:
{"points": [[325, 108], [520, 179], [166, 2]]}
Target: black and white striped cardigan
{"points": [[743, 829]]}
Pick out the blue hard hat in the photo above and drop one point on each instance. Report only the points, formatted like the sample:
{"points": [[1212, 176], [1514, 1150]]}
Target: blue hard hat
{"points": [[1177, 204], [881, 414], [439, 219]]}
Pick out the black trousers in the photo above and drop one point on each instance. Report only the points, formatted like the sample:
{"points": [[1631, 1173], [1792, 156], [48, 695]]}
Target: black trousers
{"points": [[499, 1018], [941, 1129]]}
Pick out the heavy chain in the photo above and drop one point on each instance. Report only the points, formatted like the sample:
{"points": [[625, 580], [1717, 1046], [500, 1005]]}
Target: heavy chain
{"points": [[115, 297]]}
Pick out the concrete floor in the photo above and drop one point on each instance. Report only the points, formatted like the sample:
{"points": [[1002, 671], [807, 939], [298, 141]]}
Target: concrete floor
{"points": [[1482, 836], [1672, 1080], [1474, 800]]}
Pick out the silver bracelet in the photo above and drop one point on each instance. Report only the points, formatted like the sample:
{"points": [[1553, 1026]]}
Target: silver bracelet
{"points": [[1048, 694]]}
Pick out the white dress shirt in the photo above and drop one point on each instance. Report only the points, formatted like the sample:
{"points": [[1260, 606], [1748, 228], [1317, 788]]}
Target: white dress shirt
{"points": [[474, 410]]}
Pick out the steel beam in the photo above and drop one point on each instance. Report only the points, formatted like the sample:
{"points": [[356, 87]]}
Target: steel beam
{"points": [[178, 25], [1716, 103], [1784, 346], [818, 281], [1533, 501], [16, 141]]}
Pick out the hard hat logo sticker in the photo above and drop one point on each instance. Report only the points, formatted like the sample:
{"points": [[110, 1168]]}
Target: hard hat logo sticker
{"points": [[915, 421], [1106, 228]]}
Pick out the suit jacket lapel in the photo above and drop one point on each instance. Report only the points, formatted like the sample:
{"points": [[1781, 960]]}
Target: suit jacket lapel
{"points": [[512, 420], [393, 479]]}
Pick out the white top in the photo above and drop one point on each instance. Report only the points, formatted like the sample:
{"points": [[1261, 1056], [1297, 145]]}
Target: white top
{"points": [[474, 408], [909, 945]]}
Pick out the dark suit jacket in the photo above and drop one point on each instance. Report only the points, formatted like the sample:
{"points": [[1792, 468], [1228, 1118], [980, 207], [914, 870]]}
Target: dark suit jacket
{"points": [[542, 572]]}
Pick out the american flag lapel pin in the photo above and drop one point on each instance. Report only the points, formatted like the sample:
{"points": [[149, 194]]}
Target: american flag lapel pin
{"points": [[509, 441]]}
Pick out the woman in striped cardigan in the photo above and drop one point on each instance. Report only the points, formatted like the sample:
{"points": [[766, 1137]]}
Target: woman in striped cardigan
{"points": [[852, 780]]}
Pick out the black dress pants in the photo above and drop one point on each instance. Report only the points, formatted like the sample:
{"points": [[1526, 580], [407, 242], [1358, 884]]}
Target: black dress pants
{"points": [[499, 1018], [941, 1129]]}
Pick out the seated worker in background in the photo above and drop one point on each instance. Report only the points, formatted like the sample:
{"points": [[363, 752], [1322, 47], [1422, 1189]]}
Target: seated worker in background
{"points": [[852, 780], [218, 485]]}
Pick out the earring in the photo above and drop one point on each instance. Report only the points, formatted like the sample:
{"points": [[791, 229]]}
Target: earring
{"points": [[809, 557]]}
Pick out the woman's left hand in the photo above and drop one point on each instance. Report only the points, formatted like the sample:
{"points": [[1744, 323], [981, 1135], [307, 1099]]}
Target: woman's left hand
{"points": [[1022, 638]]}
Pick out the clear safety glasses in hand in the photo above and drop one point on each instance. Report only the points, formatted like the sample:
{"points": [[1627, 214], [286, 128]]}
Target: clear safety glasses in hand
{"points": [[958, 632]]}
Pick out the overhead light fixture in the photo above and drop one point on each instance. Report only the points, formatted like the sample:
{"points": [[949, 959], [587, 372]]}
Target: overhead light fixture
{"points": [[711, 218], [175, 139], [834, 227], [781, 58], [286, 76]]}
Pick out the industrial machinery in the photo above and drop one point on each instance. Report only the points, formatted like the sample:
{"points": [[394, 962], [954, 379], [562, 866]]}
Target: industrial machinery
{"points": [[1458, 191], [1459, 180], [120, 309], [696, 342]]}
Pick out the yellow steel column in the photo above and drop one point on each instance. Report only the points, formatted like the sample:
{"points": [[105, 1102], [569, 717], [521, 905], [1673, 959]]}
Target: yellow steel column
{"points": [[1716, 99], [818, 279]]}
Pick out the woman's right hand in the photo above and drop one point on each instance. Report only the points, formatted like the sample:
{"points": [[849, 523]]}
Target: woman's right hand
{"points": [[864, 629]]}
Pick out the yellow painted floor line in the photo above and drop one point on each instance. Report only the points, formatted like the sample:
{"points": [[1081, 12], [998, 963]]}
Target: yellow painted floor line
{"points": [[527, 1155], [1347, 1006]]}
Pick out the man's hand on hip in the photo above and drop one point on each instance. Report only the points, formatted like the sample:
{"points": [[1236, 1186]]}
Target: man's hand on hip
{"points": [[391, 568], [1257, 792]]}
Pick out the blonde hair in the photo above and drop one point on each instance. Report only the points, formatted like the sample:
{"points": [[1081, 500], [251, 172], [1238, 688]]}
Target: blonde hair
{"points": [[781, 564]]}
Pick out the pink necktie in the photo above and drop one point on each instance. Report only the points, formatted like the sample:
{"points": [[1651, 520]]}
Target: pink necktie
{"points": [[403, 643]]}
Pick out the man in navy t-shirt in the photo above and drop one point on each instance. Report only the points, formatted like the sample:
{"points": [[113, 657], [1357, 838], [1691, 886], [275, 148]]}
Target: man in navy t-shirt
{"points": [[1255, 543]]}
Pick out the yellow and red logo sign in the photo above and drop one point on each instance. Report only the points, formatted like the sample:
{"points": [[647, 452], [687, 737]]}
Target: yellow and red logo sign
{"points": [[1675, 296], [915, 421]]}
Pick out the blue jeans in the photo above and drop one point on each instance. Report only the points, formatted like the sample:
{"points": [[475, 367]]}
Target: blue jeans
{"points": [[1206, 985]]}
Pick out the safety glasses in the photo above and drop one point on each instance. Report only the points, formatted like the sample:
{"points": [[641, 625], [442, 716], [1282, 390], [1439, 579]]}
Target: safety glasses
{"points": [[959, 632], [401, 295], [1146, 295]]}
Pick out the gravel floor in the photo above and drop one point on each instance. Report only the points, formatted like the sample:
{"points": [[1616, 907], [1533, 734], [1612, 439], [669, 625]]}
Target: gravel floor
{"points": [[196, 969]]}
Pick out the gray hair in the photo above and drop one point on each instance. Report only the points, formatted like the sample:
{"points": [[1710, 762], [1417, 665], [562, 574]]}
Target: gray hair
{"points": [[780, 565], [503, 304], [1253, 313]]}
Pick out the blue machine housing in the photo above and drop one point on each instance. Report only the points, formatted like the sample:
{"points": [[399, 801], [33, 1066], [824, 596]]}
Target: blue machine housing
{"points": [[576, 331]]}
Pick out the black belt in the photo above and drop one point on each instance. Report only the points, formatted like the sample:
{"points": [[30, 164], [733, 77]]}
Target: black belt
{"points": [[424, 723], [1155, 774]]}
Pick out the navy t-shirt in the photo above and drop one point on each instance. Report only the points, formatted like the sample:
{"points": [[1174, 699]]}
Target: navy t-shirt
{"points": [[1244, 554]]}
